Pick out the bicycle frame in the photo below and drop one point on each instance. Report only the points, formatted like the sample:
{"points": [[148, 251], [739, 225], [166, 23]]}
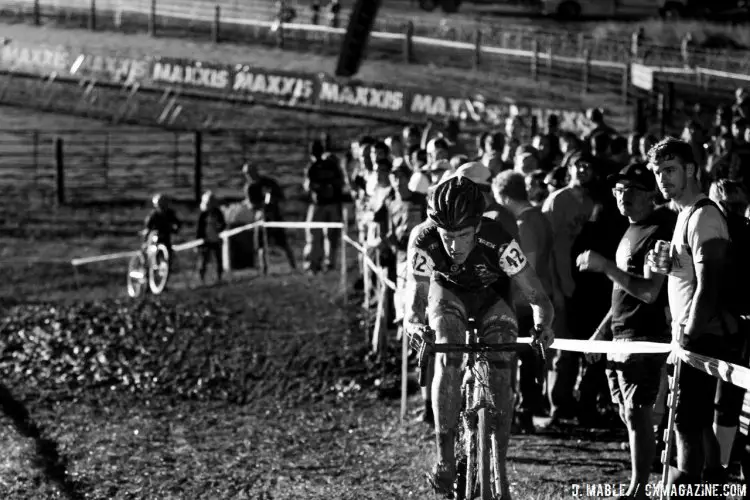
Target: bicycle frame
{"points": [[480, 412]]}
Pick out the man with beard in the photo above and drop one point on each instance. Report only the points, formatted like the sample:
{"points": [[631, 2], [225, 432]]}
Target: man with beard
{"points": [[637, 313], [699, 322]]}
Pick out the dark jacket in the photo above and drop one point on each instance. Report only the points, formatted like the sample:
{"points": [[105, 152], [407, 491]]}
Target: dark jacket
{"points": [[221, 223]]}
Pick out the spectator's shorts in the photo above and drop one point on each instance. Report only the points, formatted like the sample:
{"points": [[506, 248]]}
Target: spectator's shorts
{"points": [[695, 404], [634, 378], [449, 309], [729, 397]]}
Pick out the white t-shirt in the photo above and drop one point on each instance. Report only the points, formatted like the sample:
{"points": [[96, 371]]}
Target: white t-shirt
{"points": [[706, 223]]}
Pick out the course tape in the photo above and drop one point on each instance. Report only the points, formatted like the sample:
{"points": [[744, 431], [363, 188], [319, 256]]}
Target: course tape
{"points": [[724, 370], [374, 267], [225, 234], [728, 372], [177, 248]]}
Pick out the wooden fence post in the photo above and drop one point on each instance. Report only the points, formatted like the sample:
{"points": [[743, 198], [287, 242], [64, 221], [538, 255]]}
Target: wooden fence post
{"points": [[408, 43], [152, 19], [344, 283], [216, 26], [550, 56], [535, 59], [625, 83], [198, 162], [280, 35], [586, 69], [37, 13], [92, 15], [60, 170], [581, 43], [477, 48]]}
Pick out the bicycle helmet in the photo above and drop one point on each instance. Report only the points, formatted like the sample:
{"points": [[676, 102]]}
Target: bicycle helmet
{"points": [[456, 203]]}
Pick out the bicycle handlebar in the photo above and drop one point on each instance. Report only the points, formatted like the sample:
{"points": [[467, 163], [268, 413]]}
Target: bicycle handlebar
{"points": [[478, 348], [426, 347]]}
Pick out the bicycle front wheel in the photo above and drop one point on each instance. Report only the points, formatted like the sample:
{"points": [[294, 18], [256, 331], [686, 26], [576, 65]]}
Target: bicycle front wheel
{"points": [[136, 275], [484, 448], [158, 269]]}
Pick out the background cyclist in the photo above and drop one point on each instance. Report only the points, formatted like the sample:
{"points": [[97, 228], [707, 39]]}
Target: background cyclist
{"points": [[163, 221], [455, 260]]}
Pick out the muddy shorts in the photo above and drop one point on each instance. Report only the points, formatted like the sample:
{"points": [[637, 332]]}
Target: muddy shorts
{"points": [[634, 378], [449, 309]]}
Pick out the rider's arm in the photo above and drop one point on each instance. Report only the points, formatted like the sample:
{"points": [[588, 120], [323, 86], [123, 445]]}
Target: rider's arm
{"points": [[418, 271], [515, 264]]}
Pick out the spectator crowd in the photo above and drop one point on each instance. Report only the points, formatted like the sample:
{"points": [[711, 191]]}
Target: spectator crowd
{"points": [[587, 211]]}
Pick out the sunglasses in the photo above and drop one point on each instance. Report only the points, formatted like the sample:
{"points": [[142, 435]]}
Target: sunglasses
{"points": [[619, 191]]}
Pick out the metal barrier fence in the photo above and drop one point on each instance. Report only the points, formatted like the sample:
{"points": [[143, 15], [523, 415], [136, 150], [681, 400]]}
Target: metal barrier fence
{"points": [[151, 141], [259, 13], [128, 164], [577, 59]]}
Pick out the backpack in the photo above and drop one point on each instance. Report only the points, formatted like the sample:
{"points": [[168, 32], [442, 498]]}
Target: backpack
{"points": [[735, 294]]}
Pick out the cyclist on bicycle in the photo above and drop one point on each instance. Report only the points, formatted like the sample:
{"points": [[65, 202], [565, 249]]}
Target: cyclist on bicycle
{"points": [[163, 221], [458, 262]]}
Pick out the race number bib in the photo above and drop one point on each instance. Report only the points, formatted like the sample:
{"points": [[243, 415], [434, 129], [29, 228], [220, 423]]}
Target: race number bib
{"points": [[512, 260], [421, 263]]}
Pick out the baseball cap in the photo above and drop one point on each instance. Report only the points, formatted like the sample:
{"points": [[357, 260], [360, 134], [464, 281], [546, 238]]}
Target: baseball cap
{"points": [[476, 172], [637, 174]]}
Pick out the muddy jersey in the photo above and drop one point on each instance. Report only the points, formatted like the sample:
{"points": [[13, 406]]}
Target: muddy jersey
{"points": [[493, 261]]}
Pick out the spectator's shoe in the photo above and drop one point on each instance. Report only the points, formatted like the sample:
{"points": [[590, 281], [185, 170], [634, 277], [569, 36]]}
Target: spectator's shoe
{"points": [[592, 420], [525, 423], [441, 479], [716, 475], [555, 424]]}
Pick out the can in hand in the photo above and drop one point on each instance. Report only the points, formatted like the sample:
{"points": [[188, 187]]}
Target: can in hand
{"points": [[662, 257]]}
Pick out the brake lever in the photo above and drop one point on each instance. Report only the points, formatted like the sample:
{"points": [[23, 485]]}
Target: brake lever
{"points": [[541, 353]]}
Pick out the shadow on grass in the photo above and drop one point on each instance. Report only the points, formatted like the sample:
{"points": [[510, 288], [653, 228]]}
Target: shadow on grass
{"points": [[52, 463]]}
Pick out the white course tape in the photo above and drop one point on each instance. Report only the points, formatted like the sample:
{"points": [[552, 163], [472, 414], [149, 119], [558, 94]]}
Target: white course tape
{"points": [[605, 346], [102, 258], [187, 246], [728, 372], [609, 347], [375, 269], [238, 230], [304, 225], [177, 248]]}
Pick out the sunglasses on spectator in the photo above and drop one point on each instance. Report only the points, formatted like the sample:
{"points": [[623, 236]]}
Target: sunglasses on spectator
{"points": [[621, 190]]}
